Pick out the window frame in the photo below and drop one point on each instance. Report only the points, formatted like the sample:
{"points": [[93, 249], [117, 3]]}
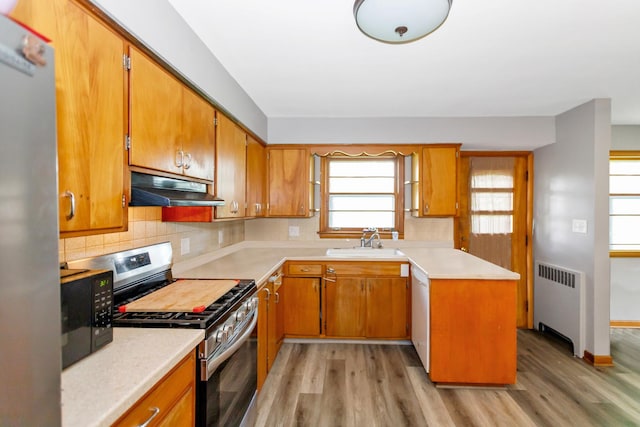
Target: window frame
{"points": [[326, 232], [623, 155]]}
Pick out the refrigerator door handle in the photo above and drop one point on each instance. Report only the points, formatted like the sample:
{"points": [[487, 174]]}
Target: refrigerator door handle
{"points": [[72, 210]]}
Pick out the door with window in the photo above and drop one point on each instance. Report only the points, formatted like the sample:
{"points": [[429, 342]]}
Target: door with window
{"points": [[495, 215]]}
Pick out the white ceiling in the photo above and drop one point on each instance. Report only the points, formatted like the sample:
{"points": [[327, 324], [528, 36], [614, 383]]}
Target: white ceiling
{"points": [[306, 58]]}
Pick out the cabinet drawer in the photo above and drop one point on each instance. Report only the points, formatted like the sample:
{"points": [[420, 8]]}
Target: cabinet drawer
{"points": [[304, 269], [171, 391], [364, 268]]}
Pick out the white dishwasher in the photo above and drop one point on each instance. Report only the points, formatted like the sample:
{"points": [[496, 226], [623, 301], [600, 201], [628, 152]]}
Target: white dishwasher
{"points": [[420, 314]]}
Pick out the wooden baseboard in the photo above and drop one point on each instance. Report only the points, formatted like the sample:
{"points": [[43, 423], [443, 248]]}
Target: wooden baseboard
{"points": [[596, 360], [625, 323]]}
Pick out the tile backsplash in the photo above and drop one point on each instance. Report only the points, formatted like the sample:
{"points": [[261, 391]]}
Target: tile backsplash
{"points": [[428, 229], [146, 228]]}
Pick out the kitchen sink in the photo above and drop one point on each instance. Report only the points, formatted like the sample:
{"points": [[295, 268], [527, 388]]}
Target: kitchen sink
{"points": [[358, 252]]}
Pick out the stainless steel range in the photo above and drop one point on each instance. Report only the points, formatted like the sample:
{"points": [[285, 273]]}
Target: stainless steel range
{"points": [[146, 295]]}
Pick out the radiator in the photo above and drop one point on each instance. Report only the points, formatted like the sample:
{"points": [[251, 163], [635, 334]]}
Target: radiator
{"points": [[559, 303]]}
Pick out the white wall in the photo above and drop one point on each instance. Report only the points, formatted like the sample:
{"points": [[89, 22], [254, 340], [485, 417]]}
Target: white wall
{"points": [[625, 286], [149, 21], [572, 182], [479, 133]]}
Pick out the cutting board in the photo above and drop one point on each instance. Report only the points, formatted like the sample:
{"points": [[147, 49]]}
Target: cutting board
{"points": [[182, 295]]}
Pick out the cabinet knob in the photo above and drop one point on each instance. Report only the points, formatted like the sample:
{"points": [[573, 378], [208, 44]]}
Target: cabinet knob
{"points": [[179, 158], [187, 163], [426, 208]]}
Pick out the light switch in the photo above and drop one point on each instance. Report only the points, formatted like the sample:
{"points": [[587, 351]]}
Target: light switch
{"points": [[579, 226]]}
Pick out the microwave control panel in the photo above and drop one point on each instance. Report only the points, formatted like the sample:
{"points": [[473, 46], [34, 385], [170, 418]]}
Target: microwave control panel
{"points": [[102, 310]]}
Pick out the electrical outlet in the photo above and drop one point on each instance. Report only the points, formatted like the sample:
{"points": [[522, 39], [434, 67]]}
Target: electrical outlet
{"points": [[220, 236], [579, 226], [294, 231], [185, 246]]}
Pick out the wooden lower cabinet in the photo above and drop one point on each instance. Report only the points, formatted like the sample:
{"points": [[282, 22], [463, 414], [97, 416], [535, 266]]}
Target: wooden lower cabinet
{"points": [[473, 331], [173, 398], [361, 307], [270, 326], [387, 314], [302, 306], [346, 313]]}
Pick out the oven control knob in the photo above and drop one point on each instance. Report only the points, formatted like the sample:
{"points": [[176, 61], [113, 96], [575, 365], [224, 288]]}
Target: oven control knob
{"points": [[240, 315], [228, 329], [222, 335]]}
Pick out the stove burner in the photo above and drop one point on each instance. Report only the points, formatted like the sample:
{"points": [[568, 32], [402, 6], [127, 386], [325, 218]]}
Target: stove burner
{"points": [[201, 320]]}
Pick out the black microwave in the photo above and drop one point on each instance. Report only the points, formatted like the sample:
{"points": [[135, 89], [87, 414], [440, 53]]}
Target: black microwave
{"points": [[86, 301]]}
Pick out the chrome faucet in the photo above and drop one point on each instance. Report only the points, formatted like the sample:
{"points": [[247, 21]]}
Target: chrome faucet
{"points": [[368, 243]]}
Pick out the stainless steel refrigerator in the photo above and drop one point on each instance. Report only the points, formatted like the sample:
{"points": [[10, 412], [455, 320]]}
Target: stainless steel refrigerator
{"points": [[30, 361]]}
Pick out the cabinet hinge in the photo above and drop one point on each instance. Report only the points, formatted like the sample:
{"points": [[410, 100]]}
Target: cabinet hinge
{"points": [[526, 306], [526, 240], [457, 206], [215, 121], [124, 200], [268, 155], [126, 62], [127, 142], [457, 154]]}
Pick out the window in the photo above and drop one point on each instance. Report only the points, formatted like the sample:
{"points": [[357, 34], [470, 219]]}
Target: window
{"points": [[361, 192], [624, 202], [491, 190]]}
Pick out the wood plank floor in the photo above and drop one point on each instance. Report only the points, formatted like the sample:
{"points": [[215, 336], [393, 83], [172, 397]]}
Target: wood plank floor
{"points": [[328, 384]]}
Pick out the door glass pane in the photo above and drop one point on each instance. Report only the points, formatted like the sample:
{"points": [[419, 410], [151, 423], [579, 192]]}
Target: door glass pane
{"points": [[491, 184]]}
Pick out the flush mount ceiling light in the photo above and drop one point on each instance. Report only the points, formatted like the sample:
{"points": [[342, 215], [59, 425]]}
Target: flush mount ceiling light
{"points": [[400, 21]]}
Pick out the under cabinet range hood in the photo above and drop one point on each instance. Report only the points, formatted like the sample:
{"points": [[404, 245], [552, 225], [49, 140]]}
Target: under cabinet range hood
{"points": [[152, 190]]}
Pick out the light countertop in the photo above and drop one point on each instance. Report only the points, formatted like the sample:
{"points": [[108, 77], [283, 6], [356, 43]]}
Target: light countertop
{"points": [[258, 260], [100, 388]]}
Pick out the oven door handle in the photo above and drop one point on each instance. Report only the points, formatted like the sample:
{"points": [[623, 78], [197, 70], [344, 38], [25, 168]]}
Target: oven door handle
{"points": [[209, 367]]}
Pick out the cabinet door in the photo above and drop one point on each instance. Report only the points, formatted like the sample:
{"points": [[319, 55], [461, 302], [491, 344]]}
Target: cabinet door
{"points": [[346, 309], [288, 184], [90, 109], [263, 333], [439, 181], [387, 308], [256, 177], [198, 136], [155, 116], [230, 168], [279, 331], [302, 306]]}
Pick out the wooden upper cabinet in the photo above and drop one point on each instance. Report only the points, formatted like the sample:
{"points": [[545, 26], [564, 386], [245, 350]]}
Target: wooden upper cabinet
{"points": [[256, 178], [434, 181], [155, 116], [91, 111], [288, 184], [171, 127], [231, 148], [198, 136]]}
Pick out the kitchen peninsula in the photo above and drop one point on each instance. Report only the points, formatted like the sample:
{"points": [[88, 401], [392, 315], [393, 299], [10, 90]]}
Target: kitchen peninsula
{"points": [[473, 302]]}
